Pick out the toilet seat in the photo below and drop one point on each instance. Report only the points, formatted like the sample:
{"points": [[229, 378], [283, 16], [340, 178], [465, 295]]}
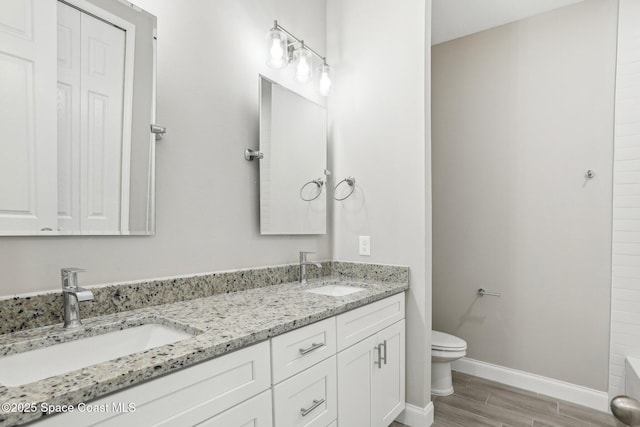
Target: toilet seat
{"points": [[445, 342]]}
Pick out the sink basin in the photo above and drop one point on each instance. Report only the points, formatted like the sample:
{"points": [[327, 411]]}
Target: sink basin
{"points": [[23, 368], [335, 290]]}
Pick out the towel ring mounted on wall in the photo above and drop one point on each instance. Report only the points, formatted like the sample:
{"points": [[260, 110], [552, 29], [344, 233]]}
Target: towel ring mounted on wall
{"points": [[351, 182], [319, 182]]}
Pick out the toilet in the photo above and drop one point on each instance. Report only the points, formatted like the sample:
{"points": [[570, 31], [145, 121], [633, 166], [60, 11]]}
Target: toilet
{"points": [[445, 349]]}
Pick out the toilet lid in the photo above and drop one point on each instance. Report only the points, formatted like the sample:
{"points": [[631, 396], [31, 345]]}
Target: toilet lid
{"points": [[445, 342]]}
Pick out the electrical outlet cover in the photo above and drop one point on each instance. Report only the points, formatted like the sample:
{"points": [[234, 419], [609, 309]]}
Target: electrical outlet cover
{"points": [[364, 247]]}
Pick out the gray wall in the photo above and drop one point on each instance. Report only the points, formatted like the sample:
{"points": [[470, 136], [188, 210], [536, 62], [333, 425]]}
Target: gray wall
{"points": [[378, 126], [209, 56], [520, 113]]}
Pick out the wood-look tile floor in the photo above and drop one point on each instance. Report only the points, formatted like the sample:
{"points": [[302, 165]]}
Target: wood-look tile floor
{"points": [[477, 402]]}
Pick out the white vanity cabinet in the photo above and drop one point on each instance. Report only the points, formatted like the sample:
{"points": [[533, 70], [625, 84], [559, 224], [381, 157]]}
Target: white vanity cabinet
{"points": [[344, 371], [371, 364], [367, 372]]}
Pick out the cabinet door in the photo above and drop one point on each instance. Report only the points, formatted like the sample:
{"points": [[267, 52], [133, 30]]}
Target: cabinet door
{"points": [[355, 366], [388, 398]]}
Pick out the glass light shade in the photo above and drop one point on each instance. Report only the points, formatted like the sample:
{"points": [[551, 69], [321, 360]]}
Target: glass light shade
{"points": [[276, 49], [324, 80], [303, 64]]}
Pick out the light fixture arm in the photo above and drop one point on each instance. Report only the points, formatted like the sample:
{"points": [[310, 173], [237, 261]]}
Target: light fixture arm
{"points": [[277, 26]]}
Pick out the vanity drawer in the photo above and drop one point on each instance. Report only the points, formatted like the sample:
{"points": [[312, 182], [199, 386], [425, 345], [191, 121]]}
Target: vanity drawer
{"points": [[297, 350], [254, 412], [210, 389], [186, 397], [308, 399], [358, 324]]}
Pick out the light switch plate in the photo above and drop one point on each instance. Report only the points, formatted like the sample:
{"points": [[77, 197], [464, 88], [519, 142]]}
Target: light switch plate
{"points": [[364, 245]]}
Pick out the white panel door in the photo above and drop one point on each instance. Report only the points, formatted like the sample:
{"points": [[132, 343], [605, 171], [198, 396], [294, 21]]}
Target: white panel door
{"points": [[68, 118], [388, 376], [102, 86], [28, 134], [354, 384]]}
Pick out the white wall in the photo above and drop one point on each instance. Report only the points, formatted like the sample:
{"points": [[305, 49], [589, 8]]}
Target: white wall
{"points": [[625, 297], [458, 18], [209, 56], [377, 134], [520, 113]]}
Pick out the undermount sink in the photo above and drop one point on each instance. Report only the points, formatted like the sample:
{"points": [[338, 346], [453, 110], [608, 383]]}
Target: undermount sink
{"points": [[335, 290], [23, 368]]}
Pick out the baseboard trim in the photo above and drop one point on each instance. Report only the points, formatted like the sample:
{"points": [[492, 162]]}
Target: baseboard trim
{"points": [[415, 416], [573, 393]]}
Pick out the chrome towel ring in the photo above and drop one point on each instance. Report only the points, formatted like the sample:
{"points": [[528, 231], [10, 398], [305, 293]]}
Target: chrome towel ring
{"points": [[351, 182], [319, 182]]}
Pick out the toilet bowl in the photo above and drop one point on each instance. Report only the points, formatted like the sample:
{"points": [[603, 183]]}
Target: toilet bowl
{"points": [[445, 349]]}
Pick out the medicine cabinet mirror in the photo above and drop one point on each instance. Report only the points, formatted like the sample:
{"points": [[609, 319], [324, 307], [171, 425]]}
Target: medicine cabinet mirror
{"points": [[77, 98], [293, 141]]}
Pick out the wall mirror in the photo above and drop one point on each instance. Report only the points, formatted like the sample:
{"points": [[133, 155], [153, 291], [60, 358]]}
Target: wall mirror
{"points": [[77, 98], [293, 140]]}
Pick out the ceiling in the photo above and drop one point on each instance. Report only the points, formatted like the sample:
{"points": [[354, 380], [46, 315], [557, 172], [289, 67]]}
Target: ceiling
{"points": [[457, 18]]}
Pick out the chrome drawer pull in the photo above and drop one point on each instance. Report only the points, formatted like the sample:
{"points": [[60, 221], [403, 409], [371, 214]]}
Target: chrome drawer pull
{"points": [[384, 358], [314, 346], [316, 403]]}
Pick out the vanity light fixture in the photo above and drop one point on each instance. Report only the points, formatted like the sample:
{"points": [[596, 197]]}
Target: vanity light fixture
{"points": [[277, 45], [303, 61], [284, 48], [324, 80]]}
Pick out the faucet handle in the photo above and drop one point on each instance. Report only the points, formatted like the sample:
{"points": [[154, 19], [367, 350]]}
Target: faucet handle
{"points": [[303, 255], [70, 277], [71, 270]]}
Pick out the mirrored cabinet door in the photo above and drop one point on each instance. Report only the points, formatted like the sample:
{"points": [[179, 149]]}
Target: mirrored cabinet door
{"points": [[77, 84], [293, 140]]}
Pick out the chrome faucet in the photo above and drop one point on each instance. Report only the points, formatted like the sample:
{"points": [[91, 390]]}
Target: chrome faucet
{"points": [[303, 266], [73, 295]]}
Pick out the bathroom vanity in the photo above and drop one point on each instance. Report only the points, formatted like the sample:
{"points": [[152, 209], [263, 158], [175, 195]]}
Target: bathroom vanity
{"points": [[277, 354]]}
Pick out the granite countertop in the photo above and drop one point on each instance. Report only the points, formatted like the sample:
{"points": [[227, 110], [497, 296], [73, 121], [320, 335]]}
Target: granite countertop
{"points": [[222, 323]]}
